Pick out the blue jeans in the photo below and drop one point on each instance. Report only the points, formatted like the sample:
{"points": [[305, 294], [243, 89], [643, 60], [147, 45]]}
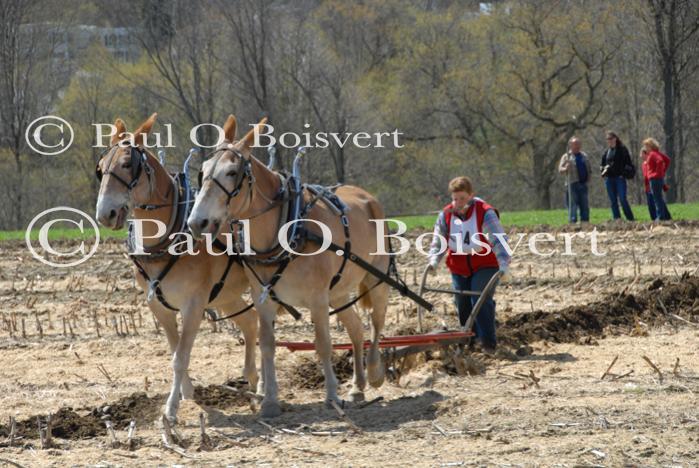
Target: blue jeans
{"points": [[616, 189], [651, 205], [661, 211], [485, 321], [579, 192]]}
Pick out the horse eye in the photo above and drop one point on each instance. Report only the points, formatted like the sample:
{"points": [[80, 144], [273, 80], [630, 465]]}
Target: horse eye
{"points": [[126, 165], [231, 174]]}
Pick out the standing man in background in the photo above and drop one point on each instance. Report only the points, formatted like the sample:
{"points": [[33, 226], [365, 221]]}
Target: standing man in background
{"points": [[576, 166]]}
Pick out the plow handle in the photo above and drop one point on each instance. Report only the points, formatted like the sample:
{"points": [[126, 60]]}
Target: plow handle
{"points": [[485, 294], [421, 310]]}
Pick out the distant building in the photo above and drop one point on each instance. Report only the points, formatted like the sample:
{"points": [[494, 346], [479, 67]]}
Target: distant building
{"points": [[69, 44], [120, 42]]}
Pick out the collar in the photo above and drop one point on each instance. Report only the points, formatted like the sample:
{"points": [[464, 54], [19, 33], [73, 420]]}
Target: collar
{"points": [[466, 208]]}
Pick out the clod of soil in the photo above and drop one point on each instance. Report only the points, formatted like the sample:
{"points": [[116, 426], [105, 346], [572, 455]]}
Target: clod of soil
{"points": [[137, 406], [68, 423], [622, 311], [308, 373], [220, 398]]}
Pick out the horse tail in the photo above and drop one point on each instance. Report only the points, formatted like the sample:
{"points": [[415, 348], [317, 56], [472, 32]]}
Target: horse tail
{"points": [[376, 212]]}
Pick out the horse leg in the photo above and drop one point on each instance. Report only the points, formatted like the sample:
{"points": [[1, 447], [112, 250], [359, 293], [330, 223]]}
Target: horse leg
{"points": [[355, 330], [379, 302], [247, 322], [168, 320], [270, 404], [321, 322], [191, 319], [261, 382]]}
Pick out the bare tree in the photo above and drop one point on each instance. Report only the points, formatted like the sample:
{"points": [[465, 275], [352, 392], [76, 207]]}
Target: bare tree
{"points": [[27, 86], [676, 25], [181, 40], [540, 105]]}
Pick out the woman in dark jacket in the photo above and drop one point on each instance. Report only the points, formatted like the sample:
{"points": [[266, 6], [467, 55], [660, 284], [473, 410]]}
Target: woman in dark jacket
{"points": [[616, 164]]}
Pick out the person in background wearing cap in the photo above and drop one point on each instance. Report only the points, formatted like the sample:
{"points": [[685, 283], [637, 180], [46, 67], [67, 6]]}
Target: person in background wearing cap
{"points": [[576, 166]]}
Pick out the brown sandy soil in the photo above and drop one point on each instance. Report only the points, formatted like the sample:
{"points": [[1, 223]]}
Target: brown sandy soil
{"points": [[431, 417]]}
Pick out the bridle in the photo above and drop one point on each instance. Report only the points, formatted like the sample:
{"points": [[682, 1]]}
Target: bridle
{"points": [[242, 175], [139, 165]]}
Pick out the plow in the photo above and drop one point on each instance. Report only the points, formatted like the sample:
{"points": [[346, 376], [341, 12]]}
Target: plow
{"points": [[398, 347]]}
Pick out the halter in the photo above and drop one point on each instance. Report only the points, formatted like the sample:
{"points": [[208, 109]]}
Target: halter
{"points": [[138, 162]]}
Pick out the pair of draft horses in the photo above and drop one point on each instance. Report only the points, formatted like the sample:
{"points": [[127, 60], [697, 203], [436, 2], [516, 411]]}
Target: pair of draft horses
{"points": [[237, 186]]}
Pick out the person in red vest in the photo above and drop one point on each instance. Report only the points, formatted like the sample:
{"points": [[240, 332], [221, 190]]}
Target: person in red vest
{"points": [[656, 165], [468, 229]]}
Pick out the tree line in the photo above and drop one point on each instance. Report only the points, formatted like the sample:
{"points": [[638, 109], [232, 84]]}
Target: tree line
{"points": [[493, 90]]}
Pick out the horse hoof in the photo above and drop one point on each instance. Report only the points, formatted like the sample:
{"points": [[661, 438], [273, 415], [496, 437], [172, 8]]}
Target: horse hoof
{"points": [[171, 419], [253, 385], [270, 410], [355, 397], [338, 402], [170, 412], [377, 380]]}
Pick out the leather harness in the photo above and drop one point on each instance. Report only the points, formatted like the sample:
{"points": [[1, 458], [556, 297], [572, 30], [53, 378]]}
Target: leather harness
{"points": [[299, 235], [182, 191]]}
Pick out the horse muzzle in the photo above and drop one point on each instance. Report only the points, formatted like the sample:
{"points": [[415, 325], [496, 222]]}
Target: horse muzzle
{"points": [[113, 218], [201, 226]]}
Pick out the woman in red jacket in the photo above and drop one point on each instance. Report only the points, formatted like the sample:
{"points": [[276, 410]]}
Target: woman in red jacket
{"points": [[656, 165], [646, 185]]}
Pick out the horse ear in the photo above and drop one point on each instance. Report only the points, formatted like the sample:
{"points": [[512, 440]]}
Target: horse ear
{"points": [[230, 127], [249, 137], [120, 131], [144, 129]]}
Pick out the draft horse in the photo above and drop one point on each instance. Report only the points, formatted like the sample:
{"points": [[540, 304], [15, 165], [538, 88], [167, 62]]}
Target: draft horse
{"points": [[132, 180], [236, 186]]}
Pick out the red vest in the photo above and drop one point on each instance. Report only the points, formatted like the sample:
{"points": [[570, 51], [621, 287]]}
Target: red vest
{"points": [[466, 263]]}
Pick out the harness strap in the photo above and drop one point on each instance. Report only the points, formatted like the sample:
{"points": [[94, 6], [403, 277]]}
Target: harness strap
{"points": [[216, 289], [288, 307], [347, 248], [268, 287], [398, 283], [154, 285], [328, 196], [275, 253], [179, 211], [155, 289], [355, 300], [235, 314]]}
